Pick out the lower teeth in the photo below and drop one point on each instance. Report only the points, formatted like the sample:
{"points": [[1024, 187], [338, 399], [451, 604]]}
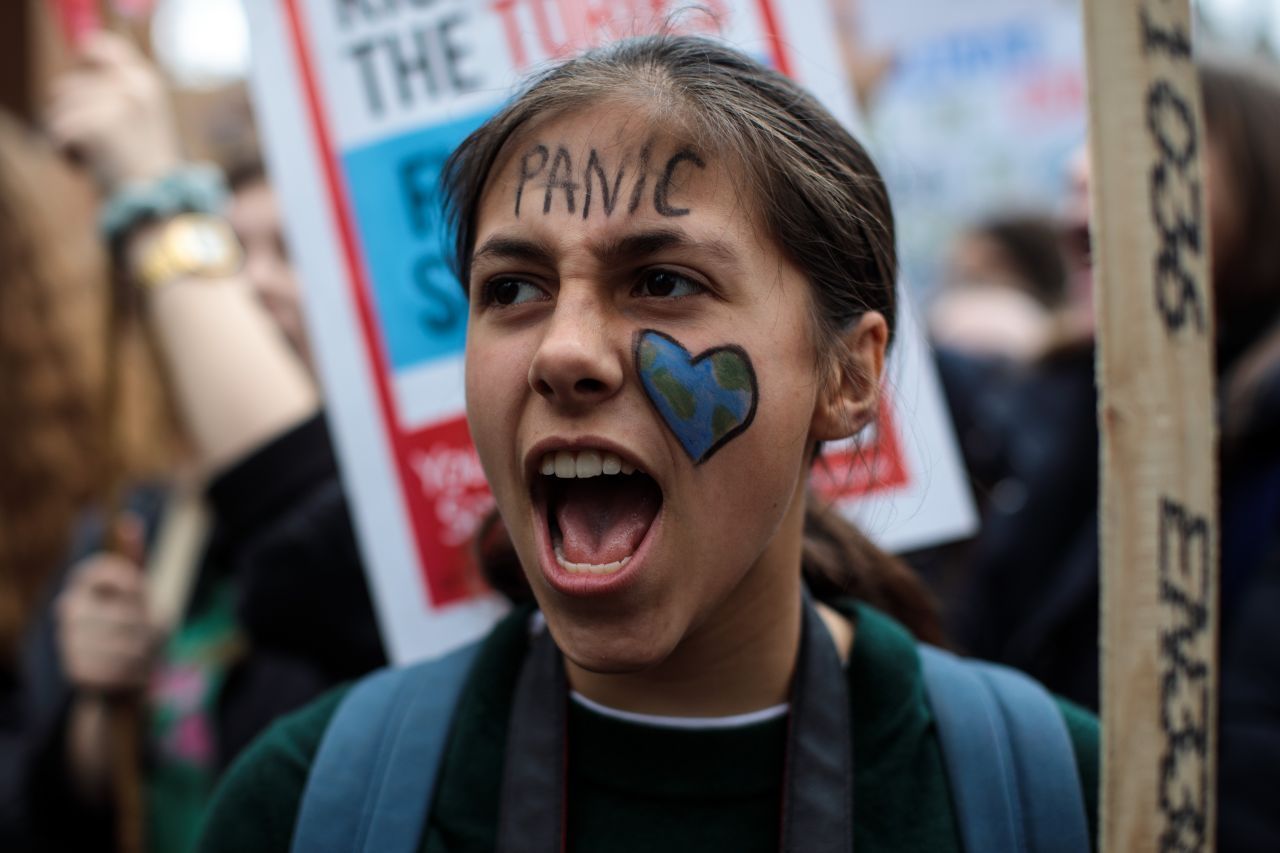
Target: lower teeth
{"points": [[592, 568]]}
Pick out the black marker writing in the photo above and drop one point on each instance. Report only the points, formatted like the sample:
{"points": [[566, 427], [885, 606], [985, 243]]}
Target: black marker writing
{"points": [[560, 178], [1184, 577], [663, 186], [595, 181], [1176, 198], [1172, 40], [643, 176], [608, 199], [526, 173], [1175, 204]]}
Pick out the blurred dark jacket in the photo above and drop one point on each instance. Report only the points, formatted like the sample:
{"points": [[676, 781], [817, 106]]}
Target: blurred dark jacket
{"points": [[1030, 588], [1030, 436], [283, 532]]}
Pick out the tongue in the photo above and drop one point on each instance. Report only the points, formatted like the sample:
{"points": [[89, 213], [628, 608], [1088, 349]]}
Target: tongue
{"points": [[603, 519]]}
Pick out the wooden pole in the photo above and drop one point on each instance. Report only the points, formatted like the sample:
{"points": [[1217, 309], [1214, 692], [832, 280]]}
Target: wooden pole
{"points": [[1156, 410]]}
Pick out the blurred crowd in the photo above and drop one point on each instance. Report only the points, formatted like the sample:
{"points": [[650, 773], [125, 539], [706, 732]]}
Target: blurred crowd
{"points": [[1013, 328], [126, 606]]}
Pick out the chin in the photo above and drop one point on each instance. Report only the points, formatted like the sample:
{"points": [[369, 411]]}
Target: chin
{"points": [[609, 644]]}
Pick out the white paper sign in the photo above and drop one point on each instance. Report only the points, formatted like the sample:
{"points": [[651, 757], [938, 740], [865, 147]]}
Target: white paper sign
{"points": [[360, 101], [978, 116]]}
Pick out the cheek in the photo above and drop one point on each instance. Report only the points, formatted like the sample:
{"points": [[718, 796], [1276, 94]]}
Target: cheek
{"points": [[755, 477], [771, 457], [780, 434], [788, 387], [496, 381]]}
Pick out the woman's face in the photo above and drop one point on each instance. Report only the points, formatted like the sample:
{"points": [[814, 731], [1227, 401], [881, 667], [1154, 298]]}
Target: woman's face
{"points": [[609, 255]]}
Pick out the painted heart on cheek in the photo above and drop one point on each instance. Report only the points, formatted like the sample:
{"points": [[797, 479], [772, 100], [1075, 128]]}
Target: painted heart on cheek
{"points": [[706, 400]]}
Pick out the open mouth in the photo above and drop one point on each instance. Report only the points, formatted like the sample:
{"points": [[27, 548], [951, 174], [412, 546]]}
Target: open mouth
{"points": [[598, 509]]}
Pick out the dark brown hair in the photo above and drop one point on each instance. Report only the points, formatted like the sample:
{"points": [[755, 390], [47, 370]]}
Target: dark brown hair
{"points": [[68, 434], [1242, 113], [820, 196], [49, 425], [1033, 248]]}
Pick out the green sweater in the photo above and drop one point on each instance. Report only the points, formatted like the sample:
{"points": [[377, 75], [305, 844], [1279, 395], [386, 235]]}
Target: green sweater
{"points": [[640, 788]]}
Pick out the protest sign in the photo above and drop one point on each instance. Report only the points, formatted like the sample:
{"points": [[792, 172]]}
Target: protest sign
{"points": [[360, 103], [979, 109], [1159, 526]]}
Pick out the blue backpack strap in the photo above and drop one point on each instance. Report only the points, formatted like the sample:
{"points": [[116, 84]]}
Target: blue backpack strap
{"points": [[1008, 755], [373, 777]]}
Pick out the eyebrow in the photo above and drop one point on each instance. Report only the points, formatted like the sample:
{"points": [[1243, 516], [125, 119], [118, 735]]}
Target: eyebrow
{"points": [[644, 243], [629, 248], [514, 249]]}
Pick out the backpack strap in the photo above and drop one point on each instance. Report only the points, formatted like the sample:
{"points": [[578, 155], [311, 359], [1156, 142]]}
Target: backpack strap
{"points": [[1008, 756], [373, 777]]}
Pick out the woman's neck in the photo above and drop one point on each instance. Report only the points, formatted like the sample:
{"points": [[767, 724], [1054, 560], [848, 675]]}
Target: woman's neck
{"points": [[741, 659]]}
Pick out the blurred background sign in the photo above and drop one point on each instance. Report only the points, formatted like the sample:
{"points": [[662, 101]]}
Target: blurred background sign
{"points": [[976, 111], [975, 108]]}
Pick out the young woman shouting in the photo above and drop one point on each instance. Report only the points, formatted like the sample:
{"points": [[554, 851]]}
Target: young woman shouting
{"points": [[681, 275]]}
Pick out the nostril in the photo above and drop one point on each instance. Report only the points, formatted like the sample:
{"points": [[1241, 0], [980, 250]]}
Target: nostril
{"points": [[588, 386], [543, 387]]}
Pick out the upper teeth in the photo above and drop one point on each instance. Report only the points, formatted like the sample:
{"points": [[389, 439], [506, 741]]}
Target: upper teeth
{"points": [[568, 464]]}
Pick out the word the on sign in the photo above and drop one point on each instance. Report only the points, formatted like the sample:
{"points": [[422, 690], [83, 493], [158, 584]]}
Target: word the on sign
{"points": [[1184, 577], [407, 54], [430, 60]]}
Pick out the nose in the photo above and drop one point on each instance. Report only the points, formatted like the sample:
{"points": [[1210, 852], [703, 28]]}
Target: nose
{"points": [[579, 362]]}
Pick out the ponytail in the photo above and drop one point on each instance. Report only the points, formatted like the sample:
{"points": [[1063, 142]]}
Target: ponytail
{"points": [[838, 561], [495, 555]]}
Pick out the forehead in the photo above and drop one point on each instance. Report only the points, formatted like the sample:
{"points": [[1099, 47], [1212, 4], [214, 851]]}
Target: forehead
{"points": [[601, 170]]}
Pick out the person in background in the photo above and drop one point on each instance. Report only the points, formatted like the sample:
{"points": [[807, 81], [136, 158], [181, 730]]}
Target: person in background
{"points": [[68, 437], [261, 633], [254, 214], [53, 331], [1013, 378], [1034, 569], [1003, 282], [1242, 182]]}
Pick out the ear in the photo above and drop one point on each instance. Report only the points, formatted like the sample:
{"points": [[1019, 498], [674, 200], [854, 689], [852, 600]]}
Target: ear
{"points": [[848, 399]]}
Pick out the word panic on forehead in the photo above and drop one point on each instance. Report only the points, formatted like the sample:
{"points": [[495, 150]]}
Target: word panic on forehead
{"points": [[594, 180]]}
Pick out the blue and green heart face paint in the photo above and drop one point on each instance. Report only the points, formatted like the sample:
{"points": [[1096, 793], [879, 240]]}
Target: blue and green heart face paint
{"points": [[706, 400]]}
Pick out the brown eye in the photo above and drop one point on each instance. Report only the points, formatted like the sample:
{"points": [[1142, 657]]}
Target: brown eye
{"points": [[511, 291], [666, 284]]}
